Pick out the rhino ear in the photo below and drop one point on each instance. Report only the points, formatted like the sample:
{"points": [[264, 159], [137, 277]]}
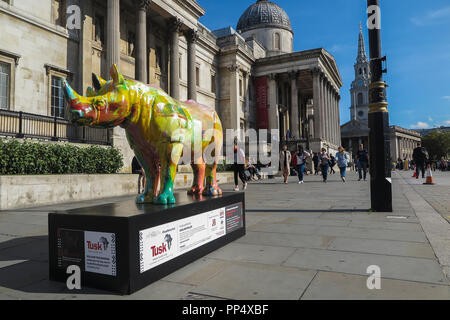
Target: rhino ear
{"points": [[90, 92], [116, 75], [98, 82]]}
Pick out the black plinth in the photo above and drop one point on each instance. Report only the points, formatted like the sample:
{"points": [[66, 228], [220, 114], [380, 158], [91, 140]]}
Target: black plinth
{"points": [[123, 247]]}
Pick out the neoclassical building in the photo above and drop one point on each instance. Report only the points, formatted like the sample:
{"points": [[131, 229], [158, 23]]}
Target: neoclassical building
{"points": [[356, 131], [249, 74]]}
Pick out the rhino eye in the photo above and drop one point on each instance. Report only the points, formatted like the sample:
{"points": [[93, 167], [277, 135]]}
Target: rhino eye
{"points": [[100, 104]]}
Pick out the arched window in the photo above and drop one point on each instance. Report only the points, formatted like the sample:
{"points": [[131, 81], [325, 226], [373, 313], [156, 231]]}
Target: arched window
{"points": [[276, 41], [360, 99], [360, 71]]}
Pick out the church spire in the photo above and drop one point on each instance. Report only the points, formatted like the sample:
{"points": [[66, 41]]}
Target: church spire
{"points": [[362, 56]]}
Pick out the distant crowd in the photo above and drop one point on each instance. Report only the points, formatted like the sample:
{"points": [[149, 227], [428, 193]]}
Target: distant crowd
{"points": [[323, 163], [295, 164]]}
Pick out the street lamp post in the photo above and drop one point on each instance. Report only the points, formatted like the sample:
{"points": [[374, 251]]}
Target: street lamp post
{"points": [[379, 136]]}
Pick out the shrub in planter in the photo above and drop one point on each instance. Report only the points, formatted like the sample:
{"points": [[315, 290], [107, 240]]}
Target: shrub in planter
{"points": [[47, 158]]}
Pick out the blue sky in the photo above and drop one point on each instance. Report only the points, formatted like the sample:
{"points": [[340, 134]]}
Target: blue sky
{"points": [[415, 39]]}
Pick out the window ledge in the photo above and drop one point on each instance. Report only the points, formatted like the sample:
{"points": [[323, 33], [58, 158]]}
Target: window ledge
{"points": [[11, 55]]}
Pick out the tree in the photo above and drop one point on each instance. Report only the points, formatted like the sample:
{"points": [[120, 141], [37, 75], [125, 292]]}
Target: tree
{"points": [[437, 144]]}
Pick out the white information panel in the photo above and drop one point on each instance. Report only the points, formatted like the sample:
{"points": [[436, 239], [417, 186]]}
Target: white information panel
{"points": [[100, 252], [165, 242]]}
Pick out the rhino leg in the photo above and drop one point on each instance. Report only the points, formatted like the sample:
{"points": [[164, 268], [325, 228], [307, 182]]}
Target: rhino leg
{"points": [[214, 149], [151, 183], [199, 176], [170, 156], [211, 188]]}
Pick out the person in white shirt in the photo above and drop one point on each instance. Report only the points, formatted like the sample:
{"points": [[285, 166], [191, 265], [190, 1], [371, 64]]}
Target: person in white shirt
{"points": [[301, 156]]}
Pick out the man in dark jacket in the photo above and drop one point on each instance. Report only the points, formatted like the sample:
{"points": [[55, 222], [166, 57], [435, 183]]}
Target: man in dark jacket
{"points": [[420, 157], [363, 161], [316, 163]]}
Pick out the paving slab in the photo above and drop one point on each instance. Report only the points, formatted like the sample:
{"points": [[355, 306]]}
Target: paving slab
{"points": [[25, 217], [286, 240], [368, 217], [257, 282], [22, 229], [334, 231], [387, 225], [315, 222], [12, 241], [36, 250], [253, 253], [162, 290], [198, 272], [21, 274], [393, 267], [396, 248], [332, 285]]}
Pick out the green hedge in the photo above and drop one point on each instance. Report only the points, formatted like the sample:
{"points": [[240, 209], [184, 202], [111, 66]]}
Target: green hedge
{"points": [[223, 167], [50, 158]]}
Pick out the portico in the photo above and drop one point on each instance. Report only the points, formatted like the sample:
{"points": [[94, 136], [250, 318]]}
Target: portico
{"points": [[294, 81]]}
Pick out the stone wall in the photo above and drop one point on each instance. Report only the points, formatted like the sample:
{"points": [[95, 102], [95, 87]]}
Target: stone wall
{"points": [[27, 32], [29, 191]]}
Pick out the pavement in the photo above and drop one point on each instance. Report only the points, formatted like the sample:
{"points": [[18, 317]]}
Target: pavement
{"points": [[309, 241]]}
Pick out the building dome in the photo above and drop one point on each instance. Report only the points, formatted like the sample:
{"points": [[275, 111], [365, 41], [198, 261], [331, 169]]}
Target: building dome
{"points": [[264, 13]]}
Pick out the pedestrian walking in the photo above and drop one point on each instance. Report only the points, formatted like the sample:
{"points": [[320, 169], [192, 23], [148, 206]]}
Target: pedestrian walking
{"points": [[324, 159], [332, 164], [342, 162], [285, 161], [239, 166], [315, 160], [301, 156], [363, 162], [420, 157]]}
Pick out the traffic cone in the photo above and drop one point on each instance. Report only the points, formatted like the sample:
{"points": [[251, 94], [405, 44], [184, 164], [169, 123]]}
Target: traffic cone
{"points": [[415, 172], [429, 179]]}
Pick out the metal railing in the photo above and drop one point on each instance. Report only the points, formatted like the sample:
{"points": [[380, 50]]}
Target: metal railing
{"points": [[28, 125]]}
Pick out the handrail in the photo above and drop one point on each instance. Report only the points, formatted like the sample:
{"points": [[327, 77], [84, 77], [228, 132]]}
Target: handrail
{"points": [[21, 124]]}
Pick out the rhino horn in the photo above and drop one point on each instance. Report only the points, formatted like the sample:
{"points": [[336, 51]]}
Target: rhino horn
{"points": [[116, 75], [71, 94], [98, 82]]}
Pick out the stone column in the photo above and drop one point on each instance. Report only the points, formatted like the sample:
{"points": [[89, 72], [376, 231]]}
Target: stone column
{"points": [[335, 116], [141, 42], [246, 97], [339, 138], [330, 114], [175, 26], [295, 127], [272, 100], [235, 99], [326, 111], [113, 33], [192, 37], [318, 105], [322, 109]]}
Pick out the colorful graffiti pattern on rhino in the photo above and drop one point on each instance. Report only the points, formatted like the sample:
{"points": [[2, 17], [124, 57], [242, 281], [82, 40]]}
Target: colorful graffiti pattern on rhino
{"points": [[158, 128]]}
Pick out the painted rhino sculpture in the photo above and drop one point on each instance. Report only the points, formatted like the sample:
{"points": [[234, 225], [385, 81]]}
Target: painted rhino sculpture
{"points": [[158, 129]]}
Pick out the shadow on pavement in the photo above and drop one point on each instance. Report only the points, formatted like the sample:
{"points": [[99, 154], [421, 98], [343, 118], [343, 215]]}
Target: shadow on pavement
{"points": [[24, 268]]}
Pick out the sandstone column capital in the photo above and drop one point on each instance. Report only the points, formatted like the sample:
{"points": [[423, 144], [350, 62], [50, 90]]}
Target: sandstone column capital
{"points": [[175, 24], [143, 4], [192, 35]]}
